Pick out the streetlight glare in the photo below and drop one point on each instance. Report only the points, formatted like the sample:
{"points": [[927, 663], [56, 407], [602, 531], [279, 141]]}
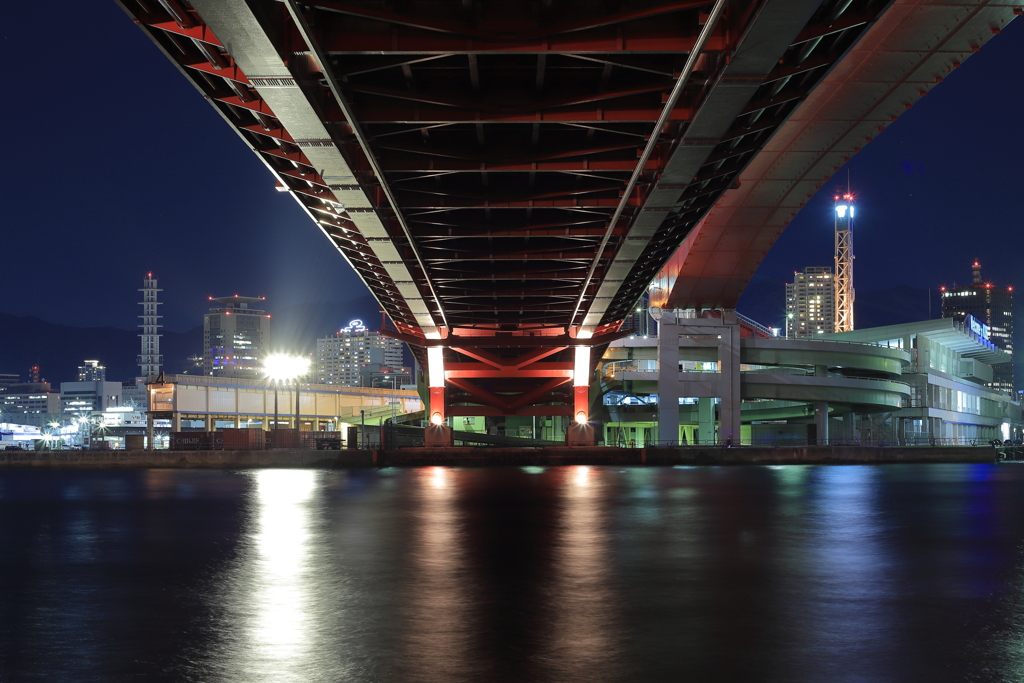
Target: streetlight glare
{"points": [[282, 367]]}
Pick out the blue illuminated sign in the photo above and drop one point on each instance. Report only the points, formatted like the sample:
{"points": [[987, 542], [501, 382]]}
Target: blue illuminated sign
{"points": [[977, 327]]}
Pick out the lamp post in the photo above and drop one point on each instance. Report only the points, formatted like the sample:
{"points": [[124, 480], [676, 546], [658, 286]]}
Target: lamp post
{"points": [[281, 367]]}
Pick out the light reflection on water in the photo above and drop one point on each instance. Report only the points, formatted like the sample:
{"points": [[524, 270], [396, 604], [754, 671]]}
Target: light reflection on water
{"points": [[887, 573], [438, 619], [585, 630], [278, 606]]}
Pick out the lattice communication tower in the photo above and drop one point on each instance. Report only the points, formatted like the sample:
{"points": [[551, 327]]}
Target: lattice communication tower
{"points": [[844, 262]]}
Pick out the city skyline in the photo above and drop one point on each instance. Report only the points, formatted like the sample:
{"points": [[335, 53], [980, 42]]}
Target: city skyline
{"points": [[184, 196]]}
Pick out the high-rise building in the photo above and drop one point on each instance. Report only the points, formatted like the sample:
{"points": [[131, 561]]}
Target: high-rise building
{"points": [[235, 337], [341, 357], [92, 371], [150, 359], [639, 320], [810, 303], [991, 308]]}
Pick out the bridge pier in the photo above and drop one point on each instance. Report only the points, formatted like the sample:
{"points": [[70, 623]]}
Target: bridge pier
{"points": [[704, 339]]}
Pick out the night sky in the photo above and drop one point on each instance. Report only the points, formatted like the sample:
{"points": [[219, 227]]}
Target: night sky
{"points": [[116, 166]]}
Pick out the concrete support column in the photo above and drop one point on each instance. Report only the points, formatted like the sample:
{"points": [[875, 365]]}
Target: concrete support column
{"points": [[175, 421], [821, 422], [436, 380], [238, 421], [668, 383], [705, 420], [150, 432], [208, 423], [729, 380]]}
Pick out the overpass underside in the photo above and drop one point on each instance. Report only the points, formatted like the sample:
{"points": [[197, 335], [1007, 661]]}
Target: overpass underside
{"points": [[506, 176]]}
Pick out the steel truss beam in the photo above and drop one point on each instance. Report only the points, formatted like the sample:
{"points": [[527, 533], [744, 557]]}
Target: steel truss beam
{"points": [[505, 168]]}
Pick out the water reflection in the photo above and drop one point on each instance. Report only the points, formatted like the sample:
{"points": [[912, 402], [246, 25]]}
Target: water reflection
{"points": [[438, 617], [795, 574], [273, 595], [841, 602], [586, 634]]}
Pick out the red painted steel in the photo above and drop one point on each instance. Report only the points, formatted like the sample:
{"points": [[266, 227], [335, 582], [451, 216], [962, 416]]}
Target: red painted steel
{"points": [[490, 145]]}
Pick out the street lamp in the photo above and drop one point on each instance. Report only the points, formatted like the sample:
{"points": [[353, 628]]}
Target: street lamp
{"points": [[281, 367]]}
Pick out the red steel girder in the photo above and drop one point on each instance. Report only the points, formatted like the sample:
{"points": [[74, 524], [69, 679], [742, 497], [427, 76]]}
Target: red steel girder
{"points": [[505, 110], [509, 403], [607, 41], [506, 36], [408, 164], [520, 361], [199, 32], [380, 110], [488, 411], [499, 158]]}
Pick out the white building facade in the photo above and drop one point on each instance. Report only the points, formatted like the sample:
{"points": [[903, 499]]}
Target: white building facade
{"points": [[79, 399], [810, 303], [342, 357]]}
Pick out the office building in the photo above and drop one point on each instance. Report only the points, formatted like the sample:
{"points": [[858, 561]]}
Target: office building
{"points": [[84, 398], [8, 379], [810, 303], [235, 337], [342, 357], [28, 399], [92, 371], [991, 308]]}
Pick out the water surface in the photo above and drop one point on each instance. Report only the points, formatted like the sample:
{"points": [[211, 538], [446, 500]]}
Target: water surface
{"points": [[796, 573]]}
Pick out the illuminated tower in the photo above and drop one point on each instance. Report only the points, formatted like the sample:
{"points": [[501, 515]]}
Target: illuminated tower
{"points": [[150, 359], [844, 263]]}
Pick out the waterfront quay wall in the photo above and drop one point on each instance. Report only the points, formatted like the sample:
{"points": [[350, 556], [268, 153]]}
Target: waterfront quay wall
{"points": [[478, 457]]}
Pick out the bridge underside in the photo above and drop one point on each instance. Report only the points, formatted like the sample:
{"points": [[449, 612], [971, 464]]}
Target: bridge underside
{"points": [[506, 176], [909, 49]]}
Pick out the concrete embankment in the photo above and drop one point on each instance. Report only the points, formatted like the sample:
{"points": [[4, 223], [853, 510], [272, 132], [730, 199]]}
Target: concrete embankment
{"points": [[188, 459], [476, 457]]}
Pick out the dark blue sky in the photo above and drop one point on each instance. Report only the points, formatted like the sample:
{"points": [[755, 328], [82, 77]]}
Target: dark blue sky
{"points": [[117, 166], [943, 185]]}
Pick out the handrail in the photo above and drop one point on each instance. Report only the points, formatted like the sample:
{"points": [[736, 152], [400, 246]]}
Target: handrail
{"points": [[750, 322], [798, 372]]}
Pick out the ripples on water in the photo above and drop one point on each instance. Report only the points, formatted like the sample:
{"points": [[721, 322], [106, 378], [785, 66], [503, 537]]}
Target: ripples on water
{"points": [[884, 573]]}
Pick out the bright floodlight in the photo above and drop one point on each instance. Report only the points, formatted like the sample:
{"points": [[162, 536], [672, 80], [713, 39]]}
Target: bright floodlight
{"points": [[281, 367], [436, 419], [581, 418], [841, 210]]}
